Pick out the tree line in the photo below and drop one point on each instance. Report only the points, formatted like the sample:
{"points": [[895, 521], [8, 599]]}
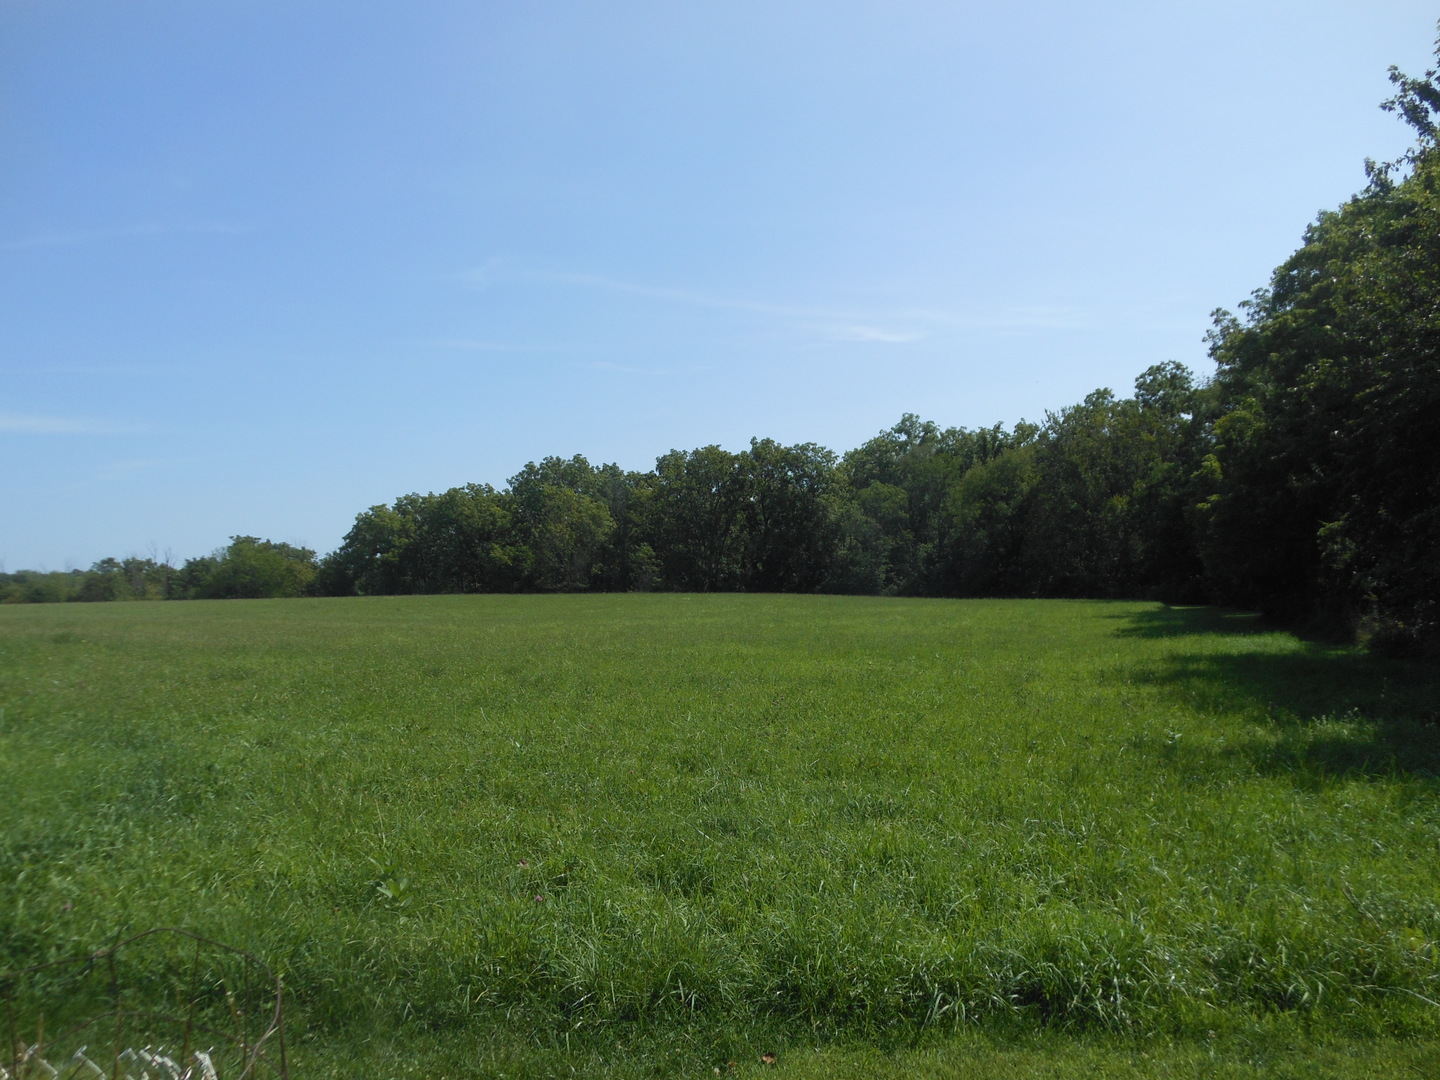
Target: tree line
{"points": [[249, 568], [1302, 480]]}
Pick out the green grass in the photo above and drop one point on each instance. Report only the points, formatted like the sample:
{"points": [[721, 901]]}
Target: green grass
{"points": [[511, 834]]}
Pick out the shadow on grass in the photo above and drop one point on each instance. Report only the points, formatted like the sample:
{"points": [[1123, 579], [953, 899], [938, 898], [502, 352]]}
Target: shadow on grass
{"points": [[1166, 621], [1320, 711]]}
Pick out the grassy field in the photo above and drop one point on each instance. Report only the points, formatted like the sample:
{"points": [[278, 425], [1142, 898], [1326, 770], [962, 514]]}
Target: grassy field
{"points": [[652, 834]]}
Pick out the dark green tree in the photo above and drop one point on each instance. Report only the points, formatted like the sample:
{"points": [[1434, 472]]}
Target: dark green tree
{"points": [[985, 522], [457, 541], [1107, 513], [790, 533], [901, 481], [563, 521], [696, 519], [1323, 488], [251, 568]]}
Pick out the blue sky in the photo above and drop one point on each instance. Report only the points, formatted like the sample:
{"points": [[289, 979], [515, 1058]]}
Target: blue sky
{"points": [[265, 264]]}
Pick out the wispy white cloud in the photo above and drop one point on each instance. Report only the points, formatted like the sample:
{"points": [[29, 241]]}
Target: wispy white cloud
{"points": [[28, 424], [73, 237], [1042, 317], [626, 369], [878, 324], [121, 470], [482, 276], [91, 369], [893, 324], [676, 295], [1006, 317], [481, 345], [871, 334]]}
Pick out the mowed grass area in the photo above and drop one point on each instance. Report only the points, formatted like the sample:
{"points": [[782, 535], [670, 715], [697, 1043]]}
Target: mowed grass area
{"points": [[650, 834]]}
